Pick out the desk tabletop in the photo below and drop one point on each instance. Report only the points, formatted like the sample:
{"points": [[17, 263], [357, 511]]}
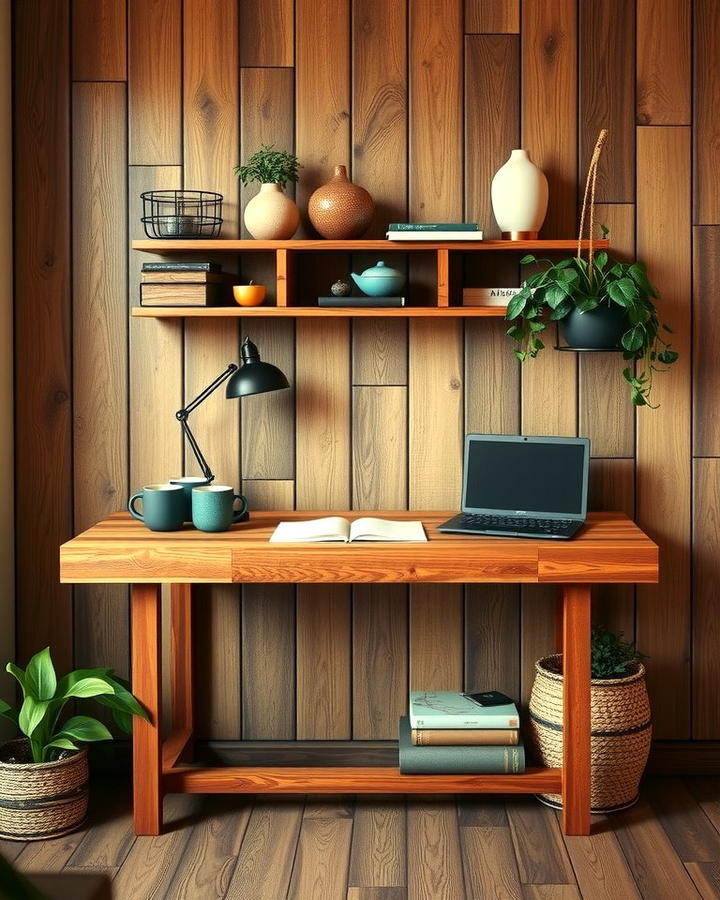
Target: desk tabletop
{"points": [[610, 548]]}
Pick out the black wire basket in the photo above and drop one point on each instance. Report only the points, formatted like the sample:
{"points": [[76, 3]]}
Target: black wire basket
{"points": [[182, 214]]}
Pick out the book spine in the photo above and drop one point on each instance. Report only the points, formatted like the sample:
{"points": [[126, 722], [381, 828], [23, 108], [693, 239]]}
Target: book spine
{"points": [[433, 226], [181, 267], [442, 737], [180, 294], [360, 301], [434, 235], [463, 723], [462, 760]]}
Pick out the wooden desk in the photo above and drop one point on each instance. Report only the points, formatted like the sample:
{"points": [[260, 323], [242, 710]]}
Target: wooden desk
{"points": [[610, 548]]}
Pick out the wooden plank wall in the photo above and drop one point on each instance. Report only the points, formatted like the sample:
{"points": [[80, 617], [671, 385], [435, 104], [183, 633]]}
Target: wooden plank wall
{"points": [[423, 101]]}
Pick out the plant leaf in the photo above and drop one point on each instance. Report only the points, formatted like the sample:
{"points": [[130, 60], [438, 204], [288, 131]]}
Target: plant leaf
{"points": [[31, 715], [536, 326], [622, 291], [40, 678], [516, 305], [9, 712], [85, 728], [17, 673], [72, 678], [90, 687], [562, 310], [601, 260], [61, 743], [633, 339], [527, 259], [122, 719], [124, 701]]}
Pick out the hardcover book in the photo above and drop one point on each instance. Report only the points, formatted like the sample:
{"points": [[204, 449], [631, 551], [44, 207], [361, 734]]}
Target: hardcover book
{"points": [[181, 267], [187, 276], [433, 226], [442, 737], [361, 301], [457, 760], [499, 296], [181, 294], [451, 709], [434, 235]]}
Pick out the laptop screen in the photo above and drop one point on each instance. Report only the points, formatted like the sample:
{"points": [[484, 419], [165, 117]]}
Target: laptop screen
{"points": [[526, 475]]}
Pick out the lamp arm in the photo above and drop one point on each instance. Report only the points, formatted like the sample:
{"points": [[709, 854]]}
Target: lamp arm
{"points": [[182, 416]]}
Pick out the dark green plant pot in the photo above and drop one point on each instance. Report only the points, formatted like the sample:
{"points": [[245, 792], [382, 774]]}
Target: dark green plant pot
{"points": [[597, 329]]}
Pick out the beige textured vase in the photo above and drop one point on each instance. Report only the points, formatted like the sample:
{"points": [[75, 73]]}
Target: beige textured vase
{"points": [[341, 210], [271, 215], [519, 195]]}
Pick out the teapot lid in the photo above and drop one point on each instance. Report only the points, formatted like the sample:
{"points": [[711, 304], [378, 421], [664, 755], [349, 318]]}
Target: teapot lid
{"points": [[380, 270]]}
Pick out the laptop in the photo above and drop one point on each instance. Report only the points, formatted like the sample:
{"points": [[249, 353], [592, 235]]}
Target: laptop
{"points": [[521, 486]]}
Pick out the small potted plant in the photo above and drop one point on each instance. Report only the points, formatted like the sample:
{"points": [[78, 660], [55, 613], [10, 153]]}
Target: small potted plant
{"points": [[44, 775], [600, 304], [619, 718], [270, 215]]}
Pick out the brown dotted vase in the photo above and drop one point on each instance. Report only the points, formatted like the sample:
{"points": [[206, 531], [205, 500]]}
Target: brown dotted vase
{"points": [[341, 210]]}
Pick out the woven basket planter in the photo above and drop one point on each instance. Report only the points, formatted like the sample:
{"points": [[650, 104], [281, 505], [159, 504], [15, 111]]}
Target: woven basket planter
{"points": [[41, 800], [620, 732]]}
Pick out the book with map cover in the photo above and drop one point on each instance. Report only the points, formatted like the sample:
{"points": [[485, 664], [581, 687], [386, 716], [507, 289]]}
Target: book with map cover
{"points": [[452, 709]]}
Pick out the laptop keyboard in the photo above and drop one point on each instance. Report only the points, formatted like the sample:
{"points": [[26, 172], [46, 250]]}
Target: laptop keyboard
{"points": [[517, 523]]}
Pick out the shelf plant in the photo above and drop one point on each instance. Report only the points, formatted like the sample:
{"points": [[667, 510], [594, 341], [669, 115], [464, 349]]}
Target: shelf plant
{"points": [[616, 299], [270, 215], [48, 763]]}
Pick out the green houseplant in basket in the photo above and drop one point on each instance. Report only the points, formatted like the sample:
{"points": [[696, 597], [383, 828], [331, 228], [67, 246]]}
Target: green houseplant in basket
{"points": [[270, 215], [600, 304], [44, 775], [619, 720]]}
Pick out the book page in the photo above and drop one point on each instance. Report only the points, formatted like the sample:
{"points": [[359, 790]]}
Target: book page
{"points": [[331, 528], [371, 529]]}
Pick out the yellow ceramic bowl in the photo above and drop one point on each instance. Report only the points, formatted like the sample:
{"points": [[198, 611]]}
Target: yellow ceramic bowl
{"points": [[249, 294]]}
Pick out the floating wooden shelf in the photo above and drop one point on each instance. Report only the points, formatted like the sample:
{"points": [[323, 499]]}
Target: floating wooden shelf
{"points": [[285, 257], [303, 312]]}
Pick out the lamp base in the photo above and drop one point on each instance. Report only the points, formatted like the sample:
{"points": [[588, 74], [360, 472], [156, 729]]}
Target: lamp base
{"points": [[520, 235]]}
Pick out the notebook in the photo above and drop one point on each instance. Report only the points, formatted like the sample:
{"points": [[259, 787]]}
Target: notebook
{"points": [[335, 528]]}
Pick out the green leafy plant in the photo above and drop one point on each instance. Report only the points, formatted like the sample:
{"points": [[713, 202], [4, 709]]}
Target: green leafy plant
{"points": [[45, 697], [581, 285], [269, 166], [610, 656]]}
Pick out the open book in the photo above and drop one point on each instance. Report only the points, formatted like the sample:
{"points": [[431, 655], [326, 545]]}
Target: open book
{"points": [[335, 528]]}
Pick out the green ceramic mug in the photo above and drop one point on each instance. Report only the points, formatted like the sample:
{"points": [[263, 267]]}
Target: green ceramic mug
{"points": [[212, 507], [163, 506], [189, 482]]}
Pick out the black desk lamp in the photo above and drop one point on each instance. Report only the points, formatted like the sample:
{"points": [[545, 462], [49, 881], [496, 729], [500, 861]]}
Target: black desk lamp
{"points": [[252, 377]]}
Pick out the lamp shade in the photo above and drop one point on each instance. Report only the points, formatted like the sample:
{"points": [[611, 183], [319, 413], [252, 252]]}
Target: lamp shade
{"points": [[254, 376]]}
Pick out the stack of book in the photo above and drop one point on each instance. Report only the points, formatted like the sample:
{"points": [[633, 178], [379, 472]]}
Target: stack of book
{"points": [[434, 231], [446, 733], [183, 284]]}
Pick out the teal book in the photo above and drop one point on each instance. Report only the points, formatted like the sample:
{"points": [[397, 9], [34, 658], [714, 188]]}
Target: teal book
{"points": [[451, 709], [454, 760], [433, 226]]}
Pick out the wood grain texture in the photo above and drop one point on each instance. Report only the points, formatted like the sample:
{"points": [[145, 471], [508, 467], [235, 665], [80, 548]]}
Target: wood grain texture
{"points": [[323, 414], [663, 439], [269, 419], [606, 416], [379, 351], [378, 851], [269, 494], [181, 657], [379, 658], [98, 40], [322, 92], [433, 852], [663, 68], [706, 557], [576, 709], [492, 17], [379, 450], [264, 864], [549, 104], [155, 84], [539, 848], [492, 117], [489, 863], [322, 857], [266, 33], [492, 380], [189, 245], [492, 621], [696, 840], [706, 385], [323, 663], [706, 132], [379, 107], [100, 338], [43, 434], [606, 54], [436, 647], [600, 866], [268, 662]]}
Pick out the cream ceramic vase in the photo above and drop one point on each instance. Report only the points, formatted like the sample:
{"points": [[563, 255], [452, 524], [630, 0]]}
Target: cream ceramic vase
{"points": [[271, 215], [519, 197]]}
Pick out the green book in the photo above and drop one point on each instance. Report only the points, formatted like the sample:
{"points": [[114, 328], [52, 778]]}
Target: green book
{"points": [[454, 760]]}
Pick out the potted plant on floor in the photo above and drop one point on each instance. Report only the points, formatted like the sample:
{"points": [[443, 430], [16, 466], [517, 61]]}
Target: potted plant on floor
{"points": [[619, 717], [270, 215], [44, 775], [600, 304]]}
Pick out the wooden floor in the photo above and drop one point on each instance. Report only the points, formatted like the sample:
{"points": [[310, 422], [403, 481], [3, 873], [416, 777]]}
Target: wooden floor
{"points": [[668, 846]]}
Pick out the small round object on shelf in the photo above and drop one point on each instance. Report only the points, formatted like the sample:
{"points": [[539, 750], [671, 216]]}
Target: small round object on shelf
{"points": [[340, 288], [341, 210], [249, 294]]}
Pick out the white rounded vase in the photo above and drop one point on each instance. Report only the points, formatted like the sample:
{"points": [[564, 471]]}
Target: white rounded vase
{"points": [[271, 215], [519, 197]]}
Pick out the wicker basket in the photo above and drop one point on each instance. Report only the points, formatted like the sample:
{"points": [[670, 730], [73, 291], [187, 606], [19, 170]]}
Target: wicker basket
{"points": [[41, 800], [620, 736]]}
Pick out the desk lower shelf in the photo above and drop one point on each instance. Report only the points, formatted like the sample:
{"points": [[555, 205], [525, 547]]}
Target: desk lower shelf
{"points": [[350, 780]]}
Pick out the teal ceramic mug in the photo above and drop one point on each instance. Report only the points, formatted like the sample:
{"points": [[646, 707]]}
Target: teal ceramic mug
{"points": [[213, 507], [189, 482], [163, 506]]}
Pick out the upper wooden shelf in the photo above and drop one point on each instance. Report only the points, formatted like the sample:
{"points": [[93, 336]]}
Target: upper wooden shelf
{"points": [[326, 312], [238, 246]]}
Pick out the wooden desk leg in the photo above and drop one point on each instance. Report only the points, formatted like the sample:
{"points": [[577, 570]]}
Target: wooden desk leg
{"points": [[576, 709], [181, 661], [146, 662]]}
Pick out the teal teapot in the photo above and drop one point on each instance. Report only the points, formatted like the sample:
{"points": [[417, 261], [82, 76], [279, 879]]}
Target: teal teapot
{"points": [[380, 281]]}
